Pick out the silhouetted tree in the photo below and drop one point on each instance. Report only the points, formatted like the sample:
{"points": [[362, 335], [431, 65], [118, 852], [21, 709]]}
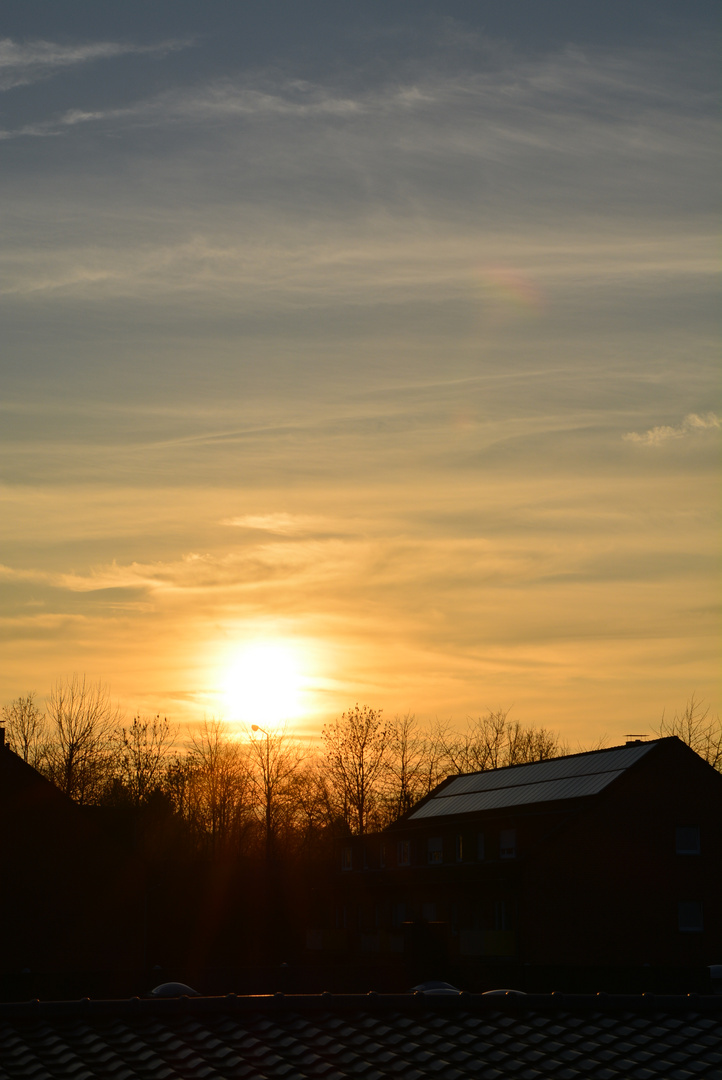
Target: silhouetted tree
{"points": [[84, 721], [217, 785], [356, 752], [493, 741], [695, 727], [140, 755], [415, 763], [25, 729], [274, 761]]}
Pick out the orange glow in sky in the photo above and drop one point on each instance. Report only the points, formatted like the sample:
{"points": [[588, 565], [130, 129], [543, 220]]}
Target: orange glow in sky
{"points": [[361, 356]]}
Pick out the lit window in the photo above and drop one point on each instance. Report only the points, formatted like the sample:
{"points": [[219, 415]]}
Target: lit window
{"points": [[403, 853], [687, 840], [436, 849], [689, 916], [347, 858], [507, 844]]}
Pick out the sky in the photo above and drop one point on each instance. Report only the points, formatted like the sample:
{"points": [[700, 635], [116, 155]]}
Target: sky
{"points": [[362, 353]]}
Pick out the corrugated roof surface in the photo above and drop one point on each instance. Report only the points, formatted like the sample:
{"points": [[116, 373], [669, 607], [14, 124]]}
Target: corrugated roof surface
{"points": [[466, 1038], [540, 781]]}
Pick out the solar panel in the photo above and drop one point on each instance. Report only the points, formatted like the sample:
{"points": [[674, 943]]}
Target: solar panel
{"points": [[572, 787], [540, 781], [599, 761]]}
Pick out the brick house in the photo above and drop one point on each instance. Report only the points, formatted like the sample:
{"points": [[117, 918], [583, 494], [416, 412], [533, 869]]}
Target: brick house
{"points": [[609, 860]]}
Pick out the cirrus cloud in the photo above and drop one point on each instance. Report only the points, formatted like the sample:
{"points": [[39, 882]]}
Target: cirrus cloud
{"points": [[22, 63]]}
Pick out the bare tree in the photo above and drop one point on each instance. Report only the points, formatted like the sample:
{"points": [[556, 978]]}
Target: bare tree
{"points": [[84, 722], [415, 764], [25, 729], [274, 761], [355, 755], [314, 810], [695, 727], [141, 755], [525, 744], [493, 741], [216, 785]]}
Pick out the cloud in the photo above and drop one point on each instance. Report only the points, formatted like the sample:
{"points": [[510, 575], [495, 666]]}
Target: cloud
{"points": [[22, 63], [566, 102], [281, 524], [693, 424]]}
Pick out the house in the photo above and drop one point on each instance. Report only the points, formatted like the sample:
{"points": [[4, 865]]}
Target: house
{"points": [[602, 867], [70, 901]]}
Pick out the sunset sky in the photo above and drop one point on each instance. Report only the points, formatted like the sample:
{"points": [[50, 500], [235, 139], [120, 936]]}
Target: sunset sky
{"points": [[362, 352]]}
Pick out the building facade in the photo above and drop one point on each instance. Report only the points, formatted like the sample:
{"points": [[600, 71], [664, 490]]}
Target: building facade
{"points": [[609, 860]]}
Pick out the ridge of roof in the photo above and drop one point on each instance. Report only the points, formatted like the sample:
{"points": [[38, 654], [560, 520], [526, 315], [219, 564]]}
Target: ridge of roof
{"points": [[365, 1003]]}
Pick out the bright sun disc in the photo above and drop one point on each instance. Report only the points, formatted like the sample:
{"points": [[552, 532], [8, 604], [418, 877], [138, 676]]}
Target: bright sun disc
{"points": [[263, 684]]}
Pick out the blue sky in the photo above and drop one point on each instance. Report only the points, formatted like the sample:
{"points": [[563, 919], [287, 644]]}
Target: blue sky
{"points": [[387, 332]]}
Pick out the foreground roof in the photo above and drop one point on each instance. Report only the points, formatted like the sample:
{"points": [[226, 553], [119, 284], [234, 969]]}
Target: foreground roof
{"points": [[541, 781], [409, 1037]]}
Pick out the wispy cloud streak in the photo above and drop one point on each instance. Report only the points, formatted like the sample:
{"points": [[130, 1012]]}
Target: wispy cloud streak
{"points": [[693, 424], [22, 63]]}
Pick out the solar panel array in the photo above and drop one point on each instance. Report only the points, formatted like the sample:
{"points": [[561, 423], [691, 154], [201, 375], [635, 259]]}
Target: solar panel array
{"points": [[541, 781]]}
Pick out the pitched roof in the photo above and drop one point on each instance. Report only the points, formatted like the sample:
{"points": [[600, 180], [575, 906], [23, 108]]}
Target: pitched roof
{"points": [[540, 781], [408, 1037]]}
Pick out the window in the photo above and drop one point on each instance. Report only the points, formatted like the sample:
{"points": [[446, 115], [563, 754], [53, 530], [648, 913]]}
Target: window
{"points": [[403, 853], [480, 846], [687, 840], [398, 913], [507, 844], [689, 916], [502, 915], [347, 858], [435, 849], [459, 847]]}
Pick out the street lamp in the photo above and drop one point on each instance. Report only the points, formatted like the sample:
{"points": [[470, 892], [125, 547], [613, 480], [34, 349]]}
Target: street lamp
{"points": [[267, 785]]}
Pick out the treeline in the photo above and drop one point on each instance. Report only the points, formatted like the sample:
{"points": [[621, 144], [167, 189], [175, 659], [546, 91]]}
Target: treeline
{"points": [[221, 792], [224, 792]]}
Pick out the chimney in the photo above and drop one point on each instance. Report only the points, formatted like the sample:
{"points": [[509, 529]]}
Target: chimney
{"points": [[2, 736]]}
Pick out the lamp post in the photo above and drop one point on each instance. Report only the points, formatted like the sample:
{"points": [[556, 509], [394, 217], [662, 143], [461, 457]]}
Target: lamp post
{"points": [[267, 786]]}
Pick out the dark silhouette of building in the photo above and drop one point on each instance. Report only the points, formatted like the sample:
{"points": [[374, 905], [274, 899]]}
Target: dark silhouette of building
{"points": [[602, 867], [70, 901]]}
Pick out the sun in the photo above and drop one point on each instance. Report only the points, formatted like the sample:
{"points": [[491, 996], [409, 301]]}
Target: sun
{"points": [[263, 684]]}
